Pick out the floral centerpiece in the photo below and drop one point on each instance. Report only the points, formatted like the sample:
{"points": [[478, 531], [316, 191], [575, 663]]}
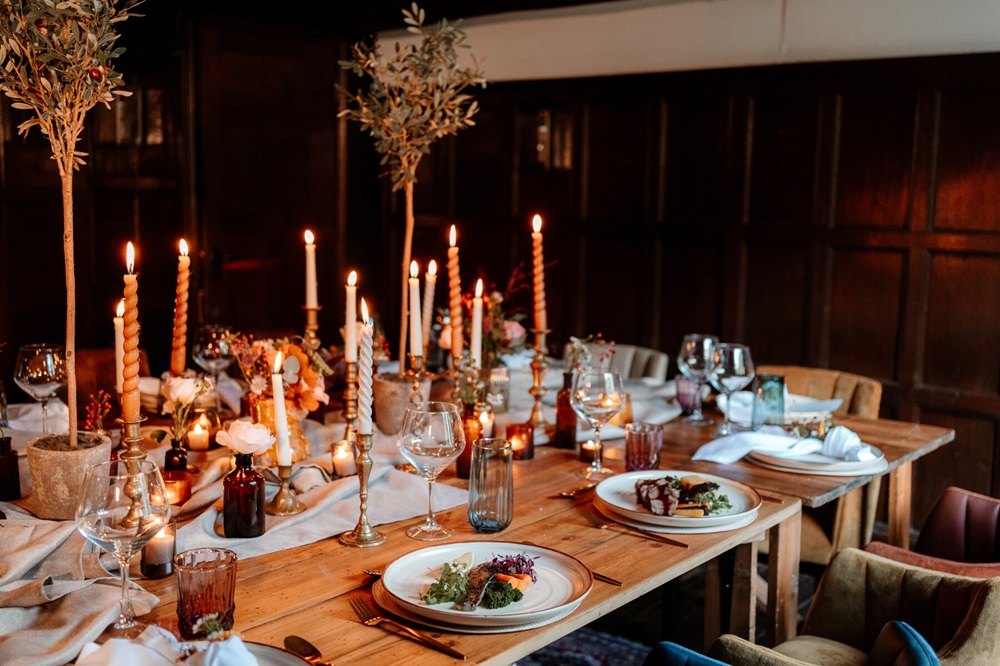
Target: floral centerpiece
{"points": [[302, 376]]}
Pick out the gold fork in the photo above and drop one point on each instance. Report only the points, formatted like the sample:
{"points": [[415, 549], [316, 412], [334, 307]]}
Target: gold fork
{"points": [[372, 619]]}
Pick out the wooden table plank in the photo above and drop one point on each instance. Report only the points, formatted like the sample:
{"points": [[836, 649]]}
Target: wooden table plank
{"points": [[306, 590]]}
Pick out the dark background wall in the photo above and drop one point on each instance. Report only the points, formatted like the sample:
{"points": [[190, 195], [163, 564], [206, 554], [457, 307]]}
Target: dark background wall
{"points": [[842, 215]]}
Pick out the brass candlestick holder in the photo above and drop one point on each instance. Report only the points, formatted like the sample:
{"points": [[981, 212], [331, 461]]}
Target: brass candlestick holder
{"points": [[312, 325], [363, 535], [133, 454], [538, 368], [350, 400], [415, 373], [284, 503]]}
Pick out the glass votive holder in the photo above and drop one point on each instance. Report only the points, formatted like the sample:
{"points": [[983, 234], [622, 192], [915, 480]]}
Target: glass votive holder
{"points": [[688, 396], [477, 423], [343, 459], [588, 450], [205, 425], [522, 440], [206, 586], [157, 558], [177, 485], [643, 442]]}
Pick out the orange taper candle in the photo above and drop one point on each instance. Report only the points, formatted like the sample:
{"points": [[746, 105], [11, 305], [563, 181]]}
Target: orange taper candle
{"points": [[130, 373], [538, 263], [455, 296], [178, 355]]}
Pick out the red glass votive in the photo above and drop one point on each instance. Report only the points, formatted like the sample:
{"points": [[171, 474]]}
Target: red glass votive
{"points": [[587, 451], [522, 440]]}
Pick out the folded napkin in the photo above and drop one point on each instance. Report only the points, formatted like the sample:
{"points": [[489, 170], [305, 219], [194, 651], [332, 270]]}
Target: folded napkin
{"points": [[158, 647], [840, 442], [28, 416], [741, 409], [54, 594]]}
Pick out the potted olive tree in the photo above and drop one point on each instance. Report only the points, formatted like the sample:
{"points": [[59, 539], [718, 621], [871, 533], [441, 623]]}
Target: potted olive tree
{"points": [[415, 96], [56, 60]]}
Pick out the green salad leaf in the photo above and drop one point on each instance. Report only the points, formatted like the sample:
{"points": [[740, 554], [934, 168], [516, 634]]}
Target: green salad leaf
{"points": [[451, 585]]}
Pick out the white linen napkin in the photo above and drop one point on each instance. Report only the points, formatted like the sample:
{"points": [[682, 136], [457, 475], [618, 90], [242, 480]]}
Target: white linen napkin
{"points": [[157, 647], [741, 411], [840, 442], [28, 416]]}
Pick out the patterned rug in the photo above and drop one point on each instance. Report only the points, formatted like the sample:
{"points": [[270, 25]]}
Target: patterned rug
{"points": [[588, 647]]}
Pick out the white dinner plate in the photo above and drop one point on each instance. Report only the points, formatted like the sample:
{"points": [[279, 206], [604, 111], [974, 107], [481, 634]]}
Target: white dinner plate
{"points": [[563, 582], [876, 466], [618, 492], [609, 512], [813, 462], [267, 655], [387, 603]]}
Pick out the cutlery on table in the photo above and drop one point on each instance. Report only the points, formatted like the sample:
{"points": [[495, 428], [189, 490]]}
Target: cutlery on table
{"points": [[600, 523], [372, 619], [597, 576], [305, 649], [571, 494], [377, 573]]}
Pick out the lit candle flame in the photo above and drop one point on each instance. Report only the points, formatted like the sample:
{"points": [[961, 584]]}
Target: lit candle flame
{"points": [[120, 312], [484, 418], [414, 269], [197, 428], [310, 239], [364, 311], [479, 288], [432, 268], [130, 257], [184, 248], [277, 364], [343, 452], [451, 237], [536, 223], [352, 278]]}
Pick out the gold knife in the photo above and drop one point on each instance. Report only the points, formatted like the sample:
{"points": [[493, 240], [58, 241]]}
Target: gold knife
{"points": [[596, 521]]}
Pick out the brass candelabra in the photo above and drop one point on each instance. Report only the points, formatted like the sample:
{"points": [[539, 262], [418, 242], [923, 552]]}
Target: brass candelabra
{"points": [[133, 454], [363, 535], [284, 503], [539, 365], [350, 400], [312, 325]]}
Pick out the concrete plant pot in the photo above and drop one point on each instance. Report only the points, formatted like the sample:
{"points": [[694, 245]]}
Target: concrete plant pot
{"points": [[390, 395], [57, 471]]}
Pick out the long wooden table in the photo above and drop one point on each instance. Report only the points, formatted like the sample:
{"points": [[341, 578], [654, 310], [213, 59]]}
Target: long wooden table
{"points": [[306, 590], [902, 443]]}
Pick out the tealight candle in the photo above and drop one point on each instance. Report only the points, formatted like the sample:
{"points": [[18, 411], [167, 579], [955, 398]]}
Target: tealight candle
{"points": [[343, 460], [522, 440], [486, 420], [588, 450], [177, 487], [157, 560], [198, 438]]}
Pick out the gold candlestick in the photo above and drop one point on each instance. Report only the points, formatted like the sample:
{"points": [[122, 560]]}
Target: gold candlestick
{"points": [[131, 437], [538, 367], [312, 325], [415, 373], [284, 503], [350, 399], [363, 535]]}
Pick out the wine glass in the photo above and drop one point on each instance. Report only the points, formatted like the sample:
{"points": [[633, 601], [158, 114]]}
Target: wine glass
{"points": [[40, 371], [431, 439], [211, 350], [598, 394], [732, 369], [694, 360], [122, 507]]}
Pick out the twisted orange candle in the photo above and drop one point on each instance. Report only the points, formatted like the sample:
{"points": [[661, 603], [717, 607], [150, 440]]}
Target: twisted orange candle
{"points": [[130, 373], [178, 355], [455, 297], [538, 262]]}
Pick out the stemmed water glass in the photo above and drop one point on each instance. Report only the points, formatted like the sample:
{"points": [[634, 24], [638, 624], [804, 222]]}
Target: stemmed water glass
{"points": [[122, 507], [40, 371], [211, 350], [598, 394], [694, 361], [431, 439], [732, 369]]}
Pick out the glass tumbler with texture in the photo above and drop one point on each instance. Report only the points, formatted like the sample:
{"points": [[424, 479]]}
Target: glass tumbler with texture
{"points": [[491, 485], [642, 446], [206, 586]]}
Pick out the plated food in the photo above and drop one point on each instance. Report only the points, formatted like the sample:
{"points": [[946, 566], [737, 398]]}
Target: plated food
{"points": [[495, 584], [691, 496]]}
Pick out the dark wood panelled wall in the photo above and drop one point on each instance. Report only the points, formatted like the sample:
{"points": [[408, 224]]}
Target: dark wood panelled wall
{"points": [[844, 215]]}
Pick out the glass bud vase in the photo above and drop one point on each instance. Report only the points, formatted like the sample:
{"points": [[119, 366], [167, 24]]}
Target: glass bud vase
{"points": [[176, 459], [497, 380], [243, 500], [565, 436]]}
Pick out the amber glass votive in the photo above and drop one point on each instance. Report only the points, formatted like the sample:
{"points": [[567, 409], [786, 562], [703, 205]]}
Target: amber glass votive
{"points": [[587, 451], [522, 440], [177, 486]]}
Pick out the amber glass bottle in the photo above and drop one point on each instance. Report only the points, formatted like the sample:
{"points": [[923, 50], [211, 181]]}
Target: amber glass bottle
{"points": [[243, 499], [565, 437], [10, 481], [176, 459]]}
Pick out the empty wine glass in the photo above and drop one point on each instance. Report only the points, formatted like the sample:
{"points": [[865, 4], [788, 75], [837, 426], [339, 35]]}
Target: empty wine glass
{"points": [[598, 394], [40, 371], [431, 439], [694, 360], [122, 507], [211, 350], [732, 369]]}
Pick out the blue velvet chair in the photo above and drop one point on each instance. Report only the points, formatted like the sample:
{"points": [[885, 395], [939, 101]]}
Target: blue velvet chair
{"points": [[671, 654]]}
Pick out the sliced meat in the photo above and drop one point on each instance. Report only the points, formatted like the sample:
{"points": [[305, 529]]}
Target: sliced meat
{"points": [[657, 495], [479, 576]]}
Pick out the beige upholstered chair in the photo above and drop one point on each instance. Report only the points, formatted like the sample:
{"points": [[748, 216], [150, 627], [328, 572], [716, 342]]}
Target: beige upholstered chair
{"points": [[849, 522], [861, 592], [631, 361]]}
